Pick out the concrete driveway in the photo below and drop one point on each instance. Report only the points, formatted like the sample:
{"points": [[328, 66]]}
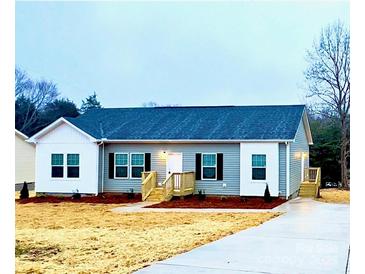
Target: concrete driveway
{"points": [[312, 237]]}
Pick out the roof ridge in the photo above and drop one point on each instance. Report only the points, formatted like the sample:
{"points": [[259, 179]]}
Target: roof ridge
{"points": [[212, 106]]}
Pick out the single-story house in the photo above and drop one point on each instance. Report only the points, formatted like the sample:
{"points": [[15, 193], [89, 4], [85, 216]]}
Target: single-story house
{"points": [[24, 159], [220, 150]]}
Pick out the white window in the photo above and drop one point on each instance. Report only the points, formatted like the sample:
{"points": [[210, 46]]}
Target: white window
{"points": [[258, 167], [57, 165], [137, 165], [209, 166], [73, 165], [121, 165]]}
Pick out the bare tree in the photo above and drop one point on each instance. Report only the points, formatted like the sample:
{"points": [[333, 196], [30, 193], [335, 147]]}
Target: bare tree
{"points": [[34, 97], [328, 81], [22, 82]]}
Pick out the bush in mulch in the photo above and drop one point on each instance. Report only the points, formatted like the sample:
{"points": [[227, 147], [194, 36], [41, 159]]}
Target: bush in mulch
{"points": [[267, 196], [99, 199], [219, 202], [24, 193]]}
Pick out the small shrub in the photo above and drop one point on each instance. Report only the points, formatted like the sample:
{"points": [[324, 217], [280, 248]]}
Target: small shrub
{"points": [[201, 195], [24, 193], [130, 194], [267, 196], [76, 195]]}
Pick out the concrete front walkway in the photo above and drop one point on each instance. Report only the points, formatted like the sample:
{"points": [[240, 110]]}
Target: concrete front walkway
{"points": [[312, 237]]}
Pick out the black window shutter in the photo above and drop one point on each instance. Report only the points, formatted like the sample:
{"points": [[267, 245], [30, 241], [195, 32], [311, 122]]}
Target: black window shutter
{"points": [[147, 162], [198, 166], [111, 165], [220, 166]]}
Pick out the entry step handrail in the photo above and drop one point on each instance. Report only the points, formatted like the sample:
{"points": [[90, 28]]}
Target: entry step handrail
{"points": [[149, 180], [178, 184], [313, 175]]}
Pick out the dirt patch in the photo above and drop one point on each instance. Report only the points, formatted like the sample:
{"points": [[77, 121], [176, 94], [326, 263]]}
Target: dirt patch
{"points": [[218, 202], [99, 199]]}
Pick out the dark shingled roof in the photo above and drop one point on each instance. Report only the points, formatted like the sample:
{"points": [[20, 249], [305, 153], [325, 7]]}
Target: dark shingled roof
{"points": [[192, 123]]}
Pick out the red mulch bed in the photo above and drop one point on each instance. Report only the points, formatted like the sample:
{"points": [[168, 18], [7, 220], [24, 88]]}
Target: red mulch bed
{"points": [[100, 199], [218, 202]]}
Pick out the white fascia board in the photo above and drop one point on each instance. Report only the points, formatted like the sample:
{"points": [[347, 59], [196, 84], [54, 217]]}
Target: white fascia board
{"points": [[195, 141], [308, 132], [307, 128], [21, 134], [55, 124]]}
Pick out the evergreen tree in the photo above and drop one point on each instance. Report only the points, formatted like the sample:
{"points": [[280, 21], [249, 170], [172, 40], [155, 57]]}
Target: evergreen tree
{"points": [[90, 102], [56, 109]]}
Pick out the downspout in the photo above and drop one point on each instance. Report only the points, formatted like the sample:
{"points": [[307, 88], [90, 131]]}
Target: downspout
{"points": [[102, 166], [287, 170]]}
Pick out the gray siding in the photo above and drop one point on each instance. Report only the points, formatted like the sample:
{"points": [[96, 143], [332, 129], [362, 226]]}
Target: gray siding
{"points": [[231, 163], [282, 169], [299, 145]]}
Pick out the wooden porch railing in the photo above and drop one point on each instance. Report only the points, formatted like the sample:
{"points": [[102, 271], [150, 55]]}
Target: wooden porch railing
{"points": [[178, 184], [149, 180], [313, 175]]}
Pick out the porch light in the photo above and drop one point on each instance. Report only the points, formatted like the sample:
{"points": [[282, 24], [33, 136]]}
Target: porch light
{"points": [[298, 155]]}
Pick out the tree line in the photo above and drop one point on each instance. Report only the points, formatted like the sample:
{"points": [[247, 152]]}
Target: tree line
{"points": [[328, 91], [38, 103]]}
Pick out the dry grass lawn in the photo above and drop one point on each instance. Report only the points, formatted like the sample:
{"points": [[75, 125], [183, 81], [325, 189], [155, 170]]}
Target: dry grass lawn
{"points": [[31, 194], [333, 195], [89, 238]]}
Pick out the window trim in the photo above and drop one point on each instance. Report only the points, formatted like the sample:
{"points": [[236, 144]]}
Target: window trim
{"points": [[252, 167], [131, 166], [63, 166], [115, 166], [66, 167], [202, 167]]}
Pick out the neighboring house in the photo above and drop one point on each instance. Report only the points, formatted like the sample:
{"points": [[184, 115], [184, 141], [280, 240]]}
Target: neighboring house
{"points": [[24, 159], [222, 150]]}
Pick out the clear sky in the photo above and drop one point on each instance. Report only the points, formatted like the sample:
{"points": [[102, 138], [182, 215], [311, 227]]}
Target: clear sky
{"points": [[187, 53]]}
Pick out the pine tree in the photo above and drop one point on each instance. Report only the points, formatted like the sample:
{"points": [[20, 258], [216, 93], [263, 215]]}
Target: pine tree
{"points": [[90, 102]]}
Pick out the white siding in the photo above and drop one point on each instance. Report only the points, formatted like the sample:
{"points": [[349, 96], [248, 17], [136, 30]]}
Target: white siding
{"points": [[251, 187], [24, 160], [65, 139]]}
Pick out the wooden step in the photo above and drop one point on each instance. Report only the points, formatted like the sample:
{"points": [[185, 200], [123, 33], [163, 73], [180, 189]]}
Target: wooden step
{"points": [[307, 190], [156, 195]]}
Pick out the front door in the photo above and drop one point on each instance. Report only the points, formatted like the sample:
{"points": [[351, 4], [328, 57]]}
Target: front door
{"points": [[173, 163]]}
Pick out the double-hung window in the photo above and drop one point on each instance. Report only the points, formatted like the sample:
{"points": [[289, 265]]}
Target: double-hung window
{"points": [[258, 167], [73, 165], [57, 165], [209, 166], [121, 165], [137, 165]]}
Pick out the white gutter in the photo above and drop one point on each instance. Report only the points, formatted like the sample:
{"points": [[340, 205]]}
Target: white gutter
{"points": [[287, 169], [195, 141]]}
